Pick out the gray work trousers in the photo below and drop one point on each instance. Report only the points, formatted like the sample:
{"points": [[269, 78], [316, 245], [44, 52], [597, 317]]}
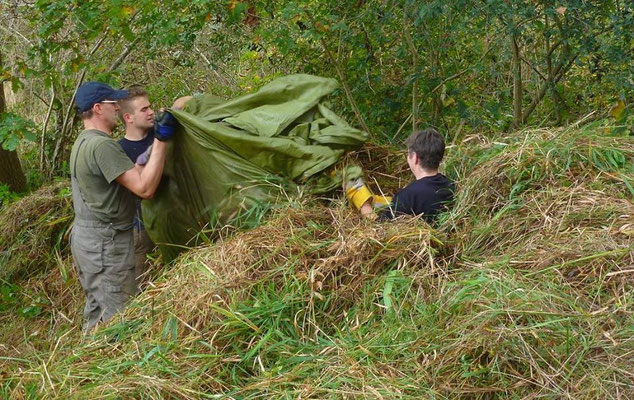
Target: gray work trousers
{"points": [[143, 246], [104, 257]]}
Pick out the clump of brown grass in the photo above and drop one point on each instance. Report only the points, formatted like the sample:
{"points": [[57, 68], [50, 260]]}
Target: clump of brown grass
{"points": [[385, 170], [331, 250], [556, 200], [33, 229]]}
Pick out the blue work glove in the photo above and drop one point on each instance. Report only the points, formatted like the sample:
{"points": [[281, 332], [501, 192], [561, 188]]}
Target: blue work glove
{"points": [[164, 125]]}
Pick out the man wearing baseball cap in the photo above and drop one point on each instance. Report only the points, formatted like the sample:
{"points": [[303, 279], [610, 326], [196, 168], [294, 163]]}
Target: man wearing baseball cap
{"points": [[104, 182]]}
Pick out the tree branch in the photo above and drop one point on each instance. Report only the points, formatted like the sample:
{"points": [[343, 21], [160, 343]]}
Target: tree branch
{"points": [[412, 49], [458, 74], [534, 68], [342, 77], [69, 109], [17, 34], [45, 126], [123, 55], [559, 73], [553, 48], [224, 80]]}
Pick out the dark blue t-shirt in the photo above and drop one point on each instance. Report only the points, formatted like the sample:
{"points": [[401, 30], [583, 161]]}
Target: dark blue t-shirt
{"points": [[428, 196], [134, 148]]}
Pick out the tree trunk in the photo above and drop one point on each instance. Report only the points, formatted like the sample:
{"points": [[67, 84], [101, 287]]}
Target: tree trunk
{"points": [[551, 75], [10, 168], [559, 73], [11, 171], [517, 83], [410, 43]]}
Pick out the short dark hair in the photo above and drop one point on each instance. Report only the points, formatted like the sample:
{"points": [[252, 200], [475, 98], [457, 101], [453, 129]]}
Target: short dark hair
{"points": [[429, 146], [125, 104]]}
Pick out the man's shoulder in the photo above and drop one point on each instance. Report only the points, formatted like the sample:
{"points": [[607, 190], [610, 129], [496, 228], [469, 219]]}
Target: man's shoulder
{"points": [[142, 143], [94, 138], [432, 182], [443, 182], [90, 141], [94, 134], [416, 186], [100, 147], [427, 188], [134, 148]]}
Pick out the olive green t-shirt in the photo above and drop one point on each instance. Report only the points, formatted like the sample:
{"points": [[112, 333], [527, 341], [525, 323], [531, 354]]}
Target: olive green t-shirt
{"points": [[96, 161]]}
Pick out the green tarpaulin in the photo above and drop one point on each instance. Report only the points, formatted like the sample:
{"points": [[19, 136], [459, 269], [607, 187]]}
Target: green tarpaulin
{"points": [[232, 156]]}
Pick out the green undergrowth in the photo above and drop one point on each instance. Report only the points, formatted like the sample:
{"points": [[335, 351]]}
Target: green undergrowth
{"points": [[522, 290]]}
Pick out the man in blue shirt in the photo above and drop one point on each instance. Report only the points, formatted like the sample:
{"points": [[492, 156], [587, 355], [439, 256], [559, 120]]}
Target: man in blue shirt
{"points": [[138, 118]]}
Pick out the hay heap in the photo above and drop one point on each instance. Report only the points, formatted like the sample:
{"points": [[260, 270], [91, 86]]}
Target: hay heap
{"points": [[33, 229], [524, 290]]}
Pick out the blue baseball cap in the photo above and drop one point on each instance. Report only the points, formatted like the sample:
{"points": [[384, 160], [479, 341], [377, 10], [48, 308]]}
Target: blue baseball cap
{"points": [[91, 93]]}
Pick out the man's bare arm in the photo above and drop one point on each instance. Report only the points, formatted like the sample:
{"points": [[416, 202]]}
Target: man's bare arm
{"points": [[143, 180]]}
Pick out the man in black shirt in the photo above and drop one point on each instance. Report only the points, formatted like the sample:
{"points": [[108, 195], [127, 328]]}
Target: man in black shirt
{"points": [[138, 118], [431, 192]]}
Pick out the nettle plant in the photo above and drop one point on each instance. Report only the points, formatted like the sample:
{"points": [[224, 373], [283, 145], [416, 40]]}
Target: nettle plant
{"points": [[15, 128]]}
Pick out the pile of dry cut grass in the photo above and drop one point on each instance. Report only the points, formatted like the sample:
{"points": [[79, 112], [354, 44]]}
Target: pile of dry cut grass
{"points": [[522, 290], [320, 252], [554, 200], [201, 316], [33, 230]]}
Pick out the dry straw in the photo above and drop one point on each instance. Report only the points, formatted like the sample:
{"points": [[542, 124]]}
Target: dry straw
{"points": [[522, 290]]}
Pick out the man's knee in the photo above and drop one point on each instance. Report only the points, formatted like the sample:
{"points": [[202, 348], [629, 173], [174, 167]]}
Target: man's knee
{"points": [[117, 295], [108, 279]]}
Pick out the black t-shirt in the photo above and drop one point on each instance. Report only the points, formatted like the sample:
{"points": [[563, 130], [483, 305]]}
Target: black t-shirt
{"points": [[134, 148], [428, 196]]}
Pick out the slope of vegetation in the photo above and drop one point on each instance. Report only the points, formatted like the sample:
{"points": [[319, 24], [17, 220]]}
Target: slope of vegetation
{"points": [[523, 290]]}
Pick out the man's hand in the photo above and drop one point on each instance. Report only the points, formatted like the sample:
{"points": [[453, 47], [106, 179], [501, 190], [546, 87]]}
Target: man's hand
{"points": [[180, 102], [144, 157], [164, 125]]}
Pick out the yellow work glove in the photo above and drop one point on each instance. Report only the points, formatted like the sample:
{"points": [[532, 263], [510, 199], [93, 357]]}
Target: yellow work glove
{"points": [[381, 201], [357, 192]]}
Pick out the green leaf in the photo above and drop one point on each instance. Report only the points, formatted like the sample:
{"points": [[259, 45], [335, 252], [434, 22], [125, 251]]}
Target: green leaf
{"points": [[237, 9], [387, 289], [14, 128], [11, 143], [16, 84], [30, 136], [31, 311], [618, 110]]}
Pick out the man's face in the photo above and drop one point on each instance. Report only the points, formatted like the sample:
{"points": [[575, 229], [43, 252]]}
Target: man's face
{"points": [[109, 112], [142, 115]]}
